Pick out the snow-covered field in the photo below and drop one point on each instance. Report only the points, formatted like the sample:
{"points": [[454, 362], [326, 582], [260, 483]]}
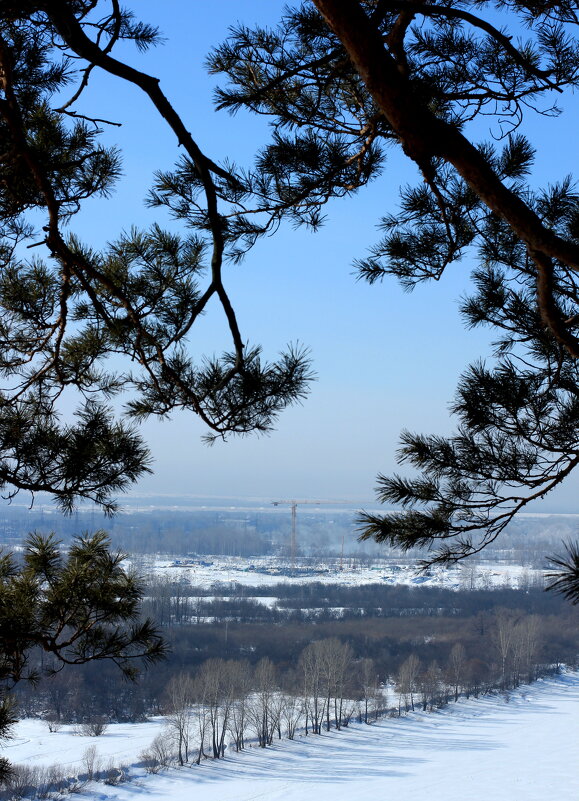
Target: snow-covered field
{"points": [[523, 748], [266, 571], [33, 744]]}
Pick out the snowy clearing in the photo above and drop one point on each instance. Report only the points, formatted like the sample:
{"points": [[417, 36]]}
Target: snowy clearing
{"points": [[267, 571], [520, 747]]}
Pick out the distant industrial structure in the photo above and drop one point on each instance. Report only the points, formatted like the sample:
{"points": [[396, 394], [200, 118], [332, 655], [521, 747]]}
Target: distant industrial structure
{"points": [[293, 504]]}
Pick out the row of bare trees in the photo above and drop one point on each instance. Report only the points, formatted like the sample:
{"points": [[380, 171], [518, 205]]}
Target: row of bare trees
{"points": [[335, 686], [228, 701], [515, 642], [310, 688], [430, 686]]}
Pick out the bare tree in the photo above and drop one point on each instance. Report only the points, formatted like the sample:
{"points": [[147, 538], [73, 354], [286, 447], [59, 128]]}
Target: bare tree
{"points": [[313, 690], [525, 645], [241, 678], [202, 716], [455, 668], [336, 662], [368, 686], [264, 712], [180, 693], [292, 713], [216, 690], [503, 637], [406, 682], [531, 645], [326, 667], [430, 684]]}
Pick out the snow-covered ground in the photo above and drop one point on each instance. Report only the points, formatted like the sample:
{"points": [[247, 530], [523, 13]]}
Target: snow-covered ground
{"points": [[523, 748], [266, 571], [33, 744]]}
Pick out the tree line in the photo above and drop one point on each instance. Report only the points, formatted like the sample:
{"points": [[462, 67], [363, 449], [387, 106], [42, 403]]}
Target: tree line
{"points": [[177, 602], [233, 703], [242, 533], [491, 642]]}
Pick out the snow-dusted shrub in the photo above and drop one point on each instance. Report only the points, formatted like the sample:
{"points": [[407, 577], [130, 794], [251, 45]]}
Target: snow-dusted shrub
{"points": [[53, 724], [37, 781], [93, 726], [76, 784], [90, 762], [50, 780], [348, 712], [20, 782], [149, 762], [158, 755], [115, 774]]}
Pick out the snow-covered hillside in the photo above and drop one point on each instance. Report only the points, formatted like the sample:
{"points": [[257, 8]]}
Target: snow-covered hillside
{"points": [[521, 747]]}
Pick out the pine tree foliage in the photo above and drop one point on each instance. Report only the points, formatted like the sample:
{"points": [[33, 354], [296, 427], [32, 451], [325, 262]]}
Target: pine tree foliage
{"points": [[356, 78], [75, 608], [565, 578], [66, 307]]}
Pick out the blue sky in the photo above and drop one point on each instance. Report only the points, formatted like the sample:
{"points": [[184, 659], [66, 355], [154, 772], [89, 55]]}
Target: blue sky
{"points": [[385, 360]]}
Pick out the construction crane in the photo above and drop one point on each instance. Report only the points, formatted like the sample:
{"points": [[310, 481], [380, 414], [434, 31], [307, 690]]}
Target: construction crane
{"points": [[294, 505]]}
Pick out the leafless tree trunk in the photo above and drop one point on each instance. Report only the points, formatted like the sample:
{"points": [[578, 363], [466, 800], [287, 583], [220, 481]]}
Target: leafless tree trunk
{"points": [[406, 681], [201, 714], [455, 669], [525, 648], [368, 687], [333, 660], [263, 711], [216, 687], [291, 713], [503, 637], [241, 679], [314, 699], [180, 693]]}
